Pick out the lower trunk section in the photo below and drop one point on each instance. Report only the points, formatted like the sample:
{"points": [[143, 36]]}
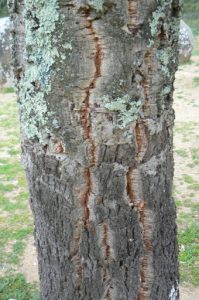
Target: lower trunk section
{"points": [[120, 243]]}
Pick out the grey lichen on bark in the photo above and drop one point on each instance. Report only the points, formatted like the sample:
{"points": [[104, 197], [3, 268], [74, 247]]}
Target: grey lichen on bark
{"points": [[127, 109], [101, 194], [40, 19]]}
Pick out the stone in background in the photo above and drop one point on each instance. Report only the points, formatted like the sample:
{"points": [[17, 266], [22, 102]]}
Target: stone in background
{"points": [[186, 41], [5, 52]]}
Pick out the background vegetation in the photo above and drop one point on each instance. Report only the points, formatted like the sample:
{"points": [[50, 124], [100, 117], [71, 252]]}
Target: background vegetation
{"points": [[3, 8], [191, 14]]}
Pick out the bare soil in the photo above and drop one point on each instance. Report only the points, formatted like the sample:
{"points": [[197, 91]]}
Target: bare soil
{"points": [[29, 266]]}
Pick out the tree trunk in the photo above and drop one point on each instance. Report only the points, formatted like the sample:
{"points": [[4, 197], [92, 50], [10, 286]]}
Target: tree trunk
{"points": [[95, 85]]}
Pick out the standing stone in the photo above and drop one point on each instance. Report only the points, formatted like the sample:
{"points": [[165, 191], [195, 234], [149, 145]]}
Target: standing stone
{"points": [[186, 41], [5, 53]]}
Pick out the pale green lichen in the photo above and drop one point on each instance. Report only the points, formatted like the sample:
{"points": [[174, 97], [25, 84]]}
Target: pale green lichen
{"points": [[165, 57], [166, 90], [158, 16], [96, 4], [40, 20], [127, 109], [55, 124], [68, 46]]}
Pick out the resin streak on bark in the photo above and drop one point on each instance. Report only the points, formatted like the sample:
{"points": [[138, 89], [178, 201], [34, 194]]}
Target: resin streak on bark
{"points": [[146, 83], [75, 255], [107, 255], [146, 272], [86, 196], [145, 215], [137, 202], [130, 190], [76, 258], [107, 250], [133, 16], [86, 117], [134, 181], [85, 110], [141, 141]]}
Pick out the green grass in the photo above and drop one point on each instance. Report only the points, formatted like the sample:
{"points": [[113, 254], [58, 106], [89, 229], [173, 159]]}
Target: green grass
{"points": [[16, 223], [196, 48], [15, 287], [10, 206], [195, 156], [17, 236], [178, 203], [4, 11], [17, 251], [196, 81], [196, 53], [7, 90], [195, 207], [6, 187], [9, 123], [14, 232], [189, 62], [189, 254], [184, 218], [13, 151], [8, 143], [190, 165], [194, 187], [186, 127], [182, 152], [188, 179], [10, 170], [23, 196]]}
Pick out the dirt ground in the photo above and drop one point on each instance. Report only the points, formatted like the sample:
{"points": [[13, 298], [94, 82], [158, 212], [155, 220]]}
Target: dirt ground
{"points": [[29, 266]]}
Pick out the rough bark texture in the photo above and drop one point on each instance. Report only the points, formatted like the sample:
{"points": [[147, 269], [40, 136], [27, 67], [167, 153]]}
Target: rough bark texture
{"points": [[100, 179]]}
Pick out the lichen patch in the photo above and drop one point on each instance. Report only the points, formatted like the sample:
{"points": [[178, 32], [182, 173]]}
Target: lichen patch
{"points": [[40, 23]]}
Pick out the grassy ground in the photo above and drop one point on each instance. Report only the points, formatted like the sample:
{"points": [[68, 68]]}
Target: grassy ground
{"points": [[186, 181], [187, 131], [15, 218]]}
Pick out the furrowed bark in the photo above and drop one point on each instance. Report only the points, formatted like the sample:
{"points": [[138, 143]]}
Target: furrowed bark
{"points": [[95, 96]]}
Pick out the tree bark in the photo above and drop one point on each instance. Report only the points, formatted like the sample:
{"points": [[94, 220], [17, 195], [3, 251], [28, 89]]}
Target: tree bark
{"points": [[95, 85]]}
